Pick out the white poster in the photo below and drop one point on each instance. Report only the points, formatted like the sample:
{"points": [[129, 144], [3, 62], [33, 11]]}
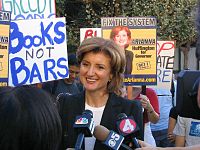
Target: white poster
{"points": [[165, 64], [38, 51], [89, 32], [29, 9]]}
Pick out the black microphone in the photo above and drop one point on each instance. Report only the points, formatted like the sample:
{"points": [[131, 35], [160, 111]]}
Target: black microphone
{"points": [[84, 124], [110, 138], [128, 128]]}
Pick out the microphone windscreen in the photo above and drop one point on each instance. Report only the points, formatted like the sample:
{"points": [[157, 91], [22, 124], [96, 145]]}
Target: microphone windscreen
{"points": [[88, 112], [101, 133]]}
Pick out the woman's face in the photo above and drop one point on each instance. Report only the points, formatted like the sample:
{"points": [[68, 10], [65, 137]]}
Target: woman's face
{"points": [[95, 71], [121, 38]]}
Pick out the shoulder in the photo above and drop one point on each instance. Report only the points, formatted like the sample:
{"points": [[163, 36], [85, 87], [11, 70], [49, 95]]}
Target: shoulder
{"points": [[150, 91], [66, 100], [151, 94], [65, 97]]}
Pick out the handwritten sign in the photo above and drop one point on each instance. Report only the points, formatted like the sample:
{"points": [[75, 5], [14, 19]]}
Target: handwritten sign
{"points": [[29, 9], [4, 46], [165, 64], [39, 53], [89, 32], [141, 51]]}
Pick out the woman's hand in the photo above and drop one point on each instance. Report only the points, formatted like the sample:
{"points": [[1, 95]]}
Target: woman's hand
{"points": [[146, 103]]}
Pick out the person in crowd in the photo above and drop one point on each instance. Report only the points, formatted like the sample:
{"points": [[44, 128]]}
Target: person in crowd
{"points": [[29, 120], [187, 130], [67, 85], [102, 64], [151, 112], [171, 125], [160, 129], [122, 36]]}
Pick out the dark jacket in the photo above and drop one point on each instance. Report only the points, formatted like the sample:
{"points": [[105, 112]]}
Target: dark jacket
{"points": [[129, 61], [73, 105]]}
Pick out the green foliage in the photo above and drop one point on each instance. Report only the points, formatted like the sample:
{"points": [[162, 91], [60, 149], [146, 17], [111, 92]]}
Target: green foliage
{"points": [[175, 17]]}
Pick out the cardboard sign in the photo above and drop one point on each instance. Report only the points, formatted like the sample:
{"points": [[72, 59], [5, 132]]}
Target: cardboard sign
{"points": [[29, 9], [165, 64], [89, 32], [38, 51], [141, 51]]}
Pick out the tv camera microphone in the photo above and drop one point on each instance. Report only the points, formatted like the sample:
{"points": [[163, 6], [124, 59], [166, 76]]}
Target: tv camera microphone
{"points": [[110, 138], [84, 124], [127, 127]]}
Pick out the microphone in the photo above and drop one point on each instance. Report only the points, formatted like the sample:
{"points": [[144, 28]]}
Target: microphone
{"points": [[127, 127], [110, 138], [84, 124]]}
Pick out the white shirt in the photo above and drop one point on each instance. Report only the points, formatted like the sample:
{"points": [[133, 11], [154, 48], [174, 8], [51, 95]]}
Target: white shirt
{"points": [[97, 115]]}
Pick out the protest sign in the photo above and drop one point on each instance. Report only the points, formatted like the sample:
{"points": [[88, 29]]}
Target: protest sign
{"points": [[89, 32], [38, 51], [29, 9], [165, 64], [140, 50], [4, 46]]}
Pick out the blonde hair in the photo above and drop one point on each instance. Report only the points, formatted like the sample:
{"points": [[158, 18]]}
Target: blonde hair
{"points": [[116, 54]]}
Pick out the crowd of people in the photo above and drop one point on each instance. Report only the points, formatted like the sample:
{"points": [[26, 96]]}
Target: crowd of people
{"points": [[37, 118], [33, 118]]}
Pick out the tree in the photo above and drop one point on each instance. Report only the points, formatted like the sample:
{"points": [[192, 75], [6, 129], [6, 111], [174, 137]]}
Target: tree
{"points": [[176, 18]]}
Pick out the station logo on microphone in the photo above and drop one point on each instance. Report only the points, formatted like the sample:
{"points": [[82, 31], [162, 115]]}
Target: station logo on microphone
{"points": [[82, 121]]}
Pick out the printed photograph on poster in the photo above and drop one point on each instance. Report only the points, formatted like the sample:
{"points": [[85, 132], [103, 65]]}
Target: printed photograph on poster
{"points": [[137, 37]]}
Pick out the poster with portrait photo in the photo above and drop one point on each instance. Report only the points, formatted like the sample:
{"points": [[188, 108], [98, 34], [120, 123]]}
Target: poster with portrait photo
{"points": [[137, 36]]}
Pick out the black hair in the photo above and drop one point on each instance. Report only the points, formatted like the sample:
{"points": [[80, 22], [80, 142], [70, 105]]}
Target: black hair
{"points": [[29, 119], [72, 60]]}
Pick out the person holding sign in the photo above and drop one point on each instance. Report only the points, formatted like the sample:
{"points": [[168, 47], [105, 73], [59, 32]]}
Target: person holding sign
{"points": [[122, 36], [102, 64], [151, 112]]}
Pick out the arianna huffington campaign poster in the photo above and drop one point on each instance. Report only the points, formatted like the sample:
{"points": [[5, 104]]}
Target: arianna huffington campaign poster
{"points": [[137, 37]]}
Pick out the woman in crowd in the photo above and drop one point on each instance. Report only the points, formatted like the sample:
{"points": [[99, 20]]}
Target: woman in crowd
{"points": [[29, 119], [102, 65]]}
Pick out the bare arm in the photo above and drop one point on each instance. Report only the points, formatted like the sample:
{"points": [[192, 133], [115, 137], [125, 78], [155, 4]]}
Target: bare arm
{"points": [[171, 125]]}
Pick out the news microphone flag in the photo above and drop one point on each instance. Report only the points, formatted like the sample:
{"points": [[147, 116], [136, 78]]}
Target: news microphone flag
{"points": [[84, 124], [127, 127], [114, 140]]}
